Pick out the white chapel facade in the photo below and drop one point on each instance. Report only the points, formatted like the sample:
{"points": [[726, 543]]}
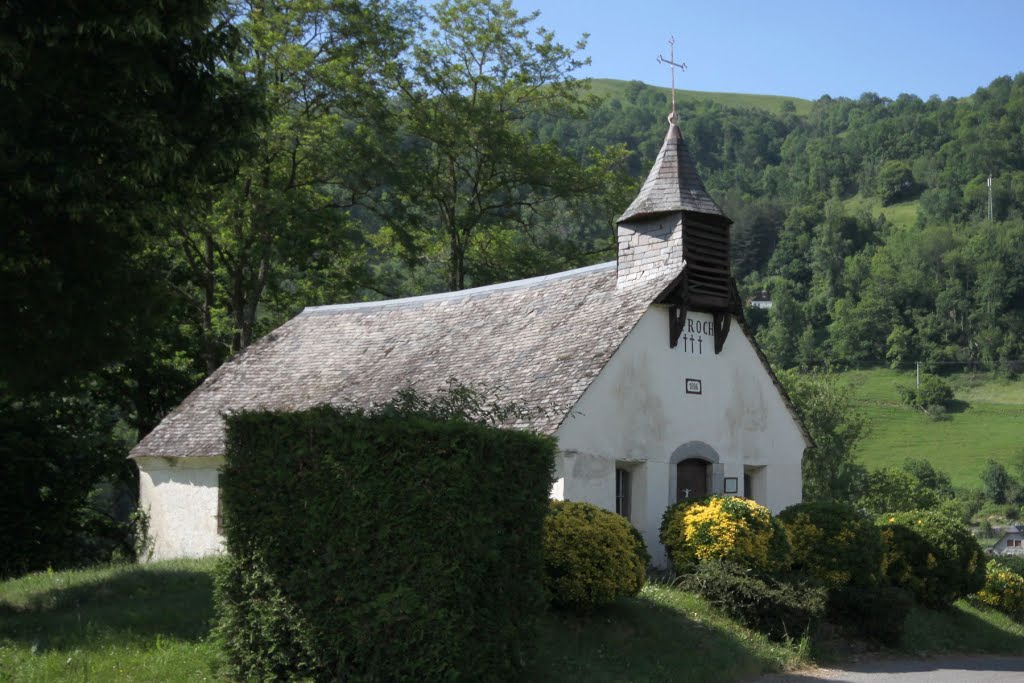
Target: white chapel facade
{"points": [[642, 368]]}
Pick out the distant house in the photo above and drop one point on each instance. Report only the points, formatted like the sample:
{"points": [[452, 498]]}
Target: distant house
{"points": [[760, 300], [1010, 543], [644, 367]]}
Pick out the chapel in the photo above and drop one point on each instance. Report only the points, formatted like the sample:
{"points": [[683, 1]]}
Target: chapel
{"points": [[642, 368]]}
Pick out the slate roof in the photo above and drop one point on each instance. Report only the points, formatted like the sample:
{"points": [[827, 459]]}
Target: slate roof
{"points": [[672, 185], [538, 342]]}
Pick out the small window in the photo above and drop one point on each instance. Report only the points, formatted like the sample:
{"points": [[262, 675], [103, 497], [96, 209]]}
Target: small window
{"points": [[1013, 543], [622, 492]]}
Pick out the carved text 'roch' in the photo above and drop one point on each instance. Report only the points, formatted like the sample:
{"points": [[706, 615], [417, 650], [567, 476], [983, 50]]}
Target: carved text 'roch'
{"points": [[697, 336]]}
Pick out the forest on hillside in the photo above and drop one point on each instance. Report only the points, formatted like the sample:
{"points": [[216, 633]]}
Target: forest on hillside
{"points": [[848, 286], [182, 177]]}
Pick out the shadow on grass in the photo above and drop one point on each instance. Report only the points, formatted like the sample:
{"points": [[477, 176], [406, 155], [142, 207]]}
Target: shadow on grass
{"points": [[957, 406], [638, 639], [965, 627], [130, 605]]}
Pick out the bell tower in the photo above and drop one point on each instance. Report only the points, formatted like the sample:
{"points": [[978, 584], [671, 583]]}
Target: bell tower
{"points": [[674, 229]]}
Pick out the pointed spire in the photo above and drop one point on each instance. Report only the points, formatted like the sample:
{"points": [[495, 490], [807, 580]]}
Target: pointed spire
{"points": [[672, 185]]}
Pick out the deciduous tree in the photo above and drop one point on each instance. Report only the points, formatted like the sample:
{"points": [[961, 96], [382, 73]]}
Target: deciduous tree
{"points": [[110, 114]]}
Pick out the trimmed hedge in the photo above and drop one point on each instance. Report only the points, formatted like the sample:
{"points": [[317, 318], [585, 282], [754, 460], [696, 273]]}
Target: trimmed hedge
{"points": [[390, 546], [723, 528], [834, 542], [933, 556], [591, 556], [774, 606]]}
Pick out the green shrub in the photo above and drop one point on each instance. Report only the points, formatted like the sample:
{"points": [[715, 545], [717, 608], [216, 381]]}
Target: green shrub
{"points": [[931, 555], [933, 391], [833, 542], [591, 556], [723, 528], [894, 490], [776, 607], [1004, 588], [875, 613], [1013, 563], [388, 546]]}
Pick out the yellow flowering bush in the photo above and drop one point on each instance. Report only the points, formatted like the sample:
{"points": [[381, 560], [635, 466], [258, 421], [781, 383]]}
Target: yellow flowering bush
{"points": [[723, 528], [1004, 590], [834, 543]]}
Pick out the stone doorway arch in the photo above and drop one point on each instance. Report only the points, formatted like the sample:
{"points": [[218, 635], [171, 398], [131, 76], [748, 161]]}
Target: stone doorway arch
{"points": [[694, 468]]}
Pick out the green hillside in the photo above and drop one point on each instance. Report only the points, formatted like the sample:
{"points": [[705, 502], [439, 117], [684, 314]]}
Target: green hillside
{"points": [[773, 104], [988, 423], [902, 214]]}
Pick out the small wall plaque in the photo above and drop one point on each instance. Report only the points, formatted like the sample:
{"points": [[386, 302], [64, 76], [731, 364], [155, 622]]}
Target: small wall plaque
{"points": [[693, 386], [732, 484]]}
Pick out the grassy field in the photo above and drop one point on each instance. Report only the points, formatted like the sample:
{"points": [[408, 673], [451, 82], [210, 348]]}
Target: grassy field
{"points": [[653, 638], [152, 623], [606, 87], [123, 623], [988, 422], [902, 214]]}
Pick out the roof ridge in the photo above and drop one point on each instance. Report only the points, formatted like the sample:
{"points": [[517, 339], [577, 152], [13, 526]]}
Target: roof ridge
{"points": [[458, 294]]}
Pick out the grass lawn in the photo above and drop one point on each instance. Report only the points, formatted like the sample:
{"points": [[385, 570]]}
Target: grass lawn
{"points": [[966, 628], [987, 423], [129, 623], [901, 214], [122, 623], [152, 623], [654, 637]]}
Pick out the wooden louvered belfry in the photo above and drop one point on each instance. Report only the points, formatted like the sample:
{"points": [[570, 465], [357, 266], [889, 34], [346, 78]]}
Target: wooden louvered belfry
{"points": [[674, 195]]}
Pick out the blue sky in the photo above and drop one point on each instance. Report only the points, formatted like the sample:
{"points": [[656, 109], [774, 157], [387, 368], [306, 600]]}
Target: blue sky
{"points": [[799, 48]]}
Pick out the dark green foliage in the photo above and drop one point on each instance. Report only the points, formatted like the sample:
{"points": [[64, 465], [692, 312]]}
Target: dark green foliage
{"points": [[110, 113], [895, 182], [997, 481], [875, 613], [387, 546], [931, 555], [778, 607], [264, 633], [830, 468], [1012, 563], [58, 460], [834, 542], [929, 477], [894, 490], [933, 392], [591, 556]]}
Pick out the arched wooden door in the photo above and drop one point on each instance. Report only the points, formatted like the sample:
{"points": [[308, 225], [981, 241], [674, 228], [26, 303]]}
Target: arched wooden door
{"points": [[692, 478]]}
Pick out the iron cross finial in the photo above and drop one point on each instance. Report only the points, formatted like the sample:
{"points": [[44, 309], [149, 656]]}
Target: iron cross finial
{"points": [[672, 65]]}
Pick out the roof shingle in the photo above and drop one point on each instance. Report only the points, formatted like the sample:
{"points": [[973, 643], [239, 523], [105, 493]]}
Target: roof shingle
{"points": [[672, 185], [537, 342]]}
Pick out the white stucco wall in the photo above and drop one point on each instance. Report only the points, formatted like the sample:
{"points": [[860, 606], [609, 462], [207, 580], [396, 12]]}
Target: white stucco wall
{"points": [[180, 497], [637, 412]]}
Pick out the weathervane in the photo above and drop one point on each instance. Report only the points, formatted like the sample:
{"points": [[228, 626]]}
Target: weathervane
{"points": [[672, 67]]}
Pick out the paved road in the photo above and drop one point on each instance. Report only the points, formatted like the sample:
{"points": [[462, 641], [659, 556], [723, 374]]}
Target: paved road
{"points": [[937, 670]]}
